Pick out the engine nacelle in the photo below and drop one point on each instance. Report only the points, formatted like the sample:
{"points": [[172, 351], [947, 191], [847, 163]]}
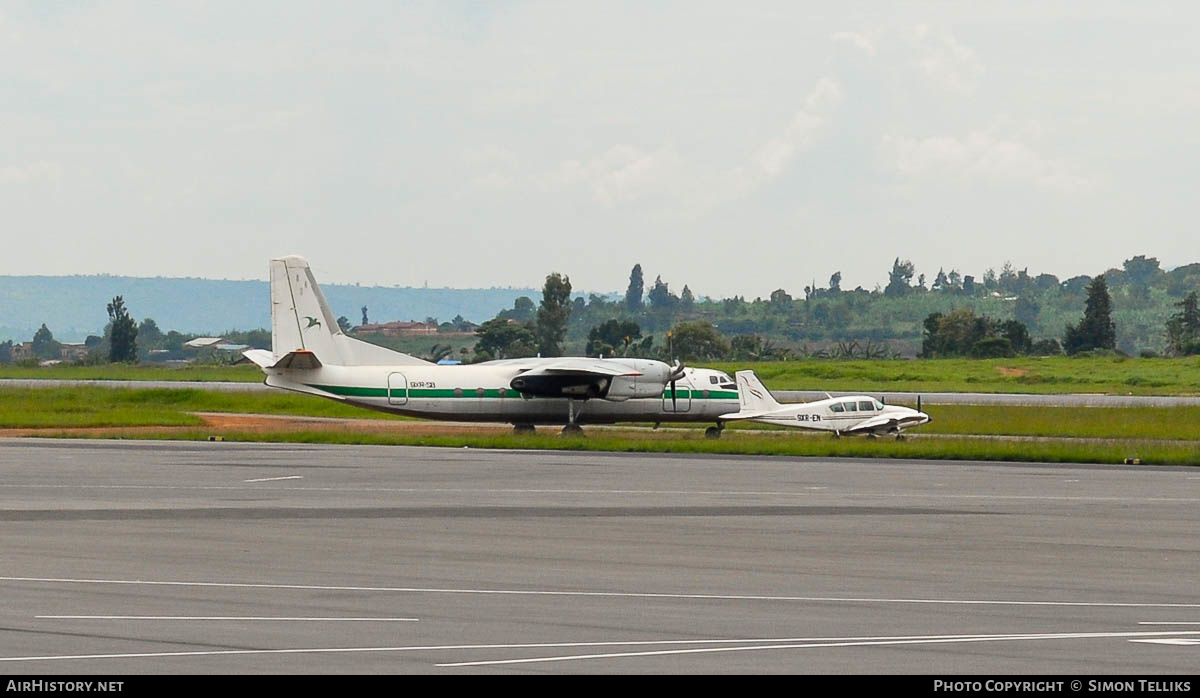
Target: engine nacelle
{"points": [[572, 386], [624, 387], [615, 388]]}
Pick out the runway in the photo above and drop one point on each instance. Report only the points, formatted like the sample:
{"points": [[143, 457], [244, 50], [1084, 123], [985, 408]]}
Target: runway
{"points": [[180, 557]]}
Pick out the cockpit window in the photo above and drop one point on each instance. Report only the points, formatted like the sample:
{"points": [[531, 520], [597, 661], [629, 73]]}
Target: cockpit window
{"points": [[728, 386], [851, 406], [878, 405], [866, 405], [837, 407]]}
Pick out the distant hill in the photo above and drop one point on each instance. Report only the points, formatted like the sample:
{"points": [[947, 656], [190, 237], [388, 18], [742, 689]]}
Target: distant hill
{"points": [[74, 306]]}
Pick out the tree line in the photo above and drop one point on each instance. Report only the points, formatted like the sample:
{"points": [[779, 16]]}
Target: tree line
{"points": [[661, 324]]}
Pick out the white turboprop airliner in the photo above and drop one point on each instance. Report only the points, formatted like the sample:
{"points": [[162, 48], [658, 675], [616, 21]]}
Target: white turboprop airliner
{"points": [[854, 414], [310, 354]]}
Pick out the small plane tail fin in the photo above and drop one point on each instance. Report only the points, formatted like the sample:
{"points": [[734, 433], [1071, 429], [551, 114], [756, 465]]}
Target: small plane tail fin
{"points": [[301, 321], [753, 395]]}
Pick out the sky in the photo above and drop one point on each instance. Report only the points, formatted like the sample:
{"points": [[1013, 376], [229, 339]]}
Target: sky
{"points": [[735, 147]]}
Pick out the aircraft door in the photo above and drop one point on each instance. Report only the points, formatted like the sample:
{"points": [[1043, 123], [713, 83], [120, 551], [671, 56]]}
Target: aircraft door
{"points": [[682, 399], [397, 389]]}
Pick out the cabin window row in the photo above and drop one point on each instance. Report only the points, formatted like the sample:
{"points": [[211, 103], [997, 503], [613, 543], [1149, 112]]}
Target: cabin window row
{"points": [[857, 406]]}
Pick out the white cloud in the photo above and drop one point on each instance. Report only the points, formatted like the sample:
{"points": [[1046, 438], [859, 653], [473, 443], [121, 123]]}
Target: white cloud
{"points": [[931, 52], [625, 174], [32, 172], [983, 155], [803, 130], [944, 60], [860, 41]]}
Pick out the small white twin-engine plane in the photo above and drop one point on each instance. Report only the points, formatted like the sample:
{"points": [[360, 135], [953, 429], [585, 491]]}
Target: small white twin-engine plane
{"points": [[854, 414], [310, 354]]}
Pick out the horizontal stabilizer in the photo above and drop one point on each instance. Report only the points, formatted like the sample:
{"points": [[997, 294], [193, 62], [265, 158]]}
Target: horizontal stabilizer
{"points": [[301, 360], [261, 357]]}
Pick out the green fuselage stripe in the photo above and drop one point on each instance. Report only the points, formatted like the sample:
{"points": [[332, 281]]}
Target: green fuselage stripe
{"points": [[432, 393]]}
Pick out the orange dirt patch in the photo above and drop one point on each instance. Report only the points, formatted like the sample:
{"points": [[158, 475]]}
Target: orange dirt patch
{"points": [[1012, 372], [219, 423], [279, 423]]}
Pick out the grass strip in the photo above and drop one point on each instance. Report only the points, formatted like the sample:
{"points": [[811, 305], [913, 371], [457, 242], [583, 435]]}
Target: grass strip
{"points": [[89, 406]]}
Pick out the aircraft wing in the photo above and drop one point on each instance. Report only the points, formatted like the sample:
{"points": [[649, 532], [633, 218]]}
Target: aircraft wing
{"points": [[872, 424], [580, 368], [744, 415]]}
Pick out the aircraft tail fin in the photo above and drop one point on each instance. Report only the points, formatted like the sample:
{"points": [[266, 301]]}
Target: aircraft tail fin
{"points": [[753, 395], [301, 321]]}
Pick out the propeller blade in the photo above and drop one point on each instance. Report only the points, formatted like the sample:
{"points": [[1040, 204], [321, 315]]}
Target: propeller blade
{"points": [[676, 371], [674, 406], [918, 403]]}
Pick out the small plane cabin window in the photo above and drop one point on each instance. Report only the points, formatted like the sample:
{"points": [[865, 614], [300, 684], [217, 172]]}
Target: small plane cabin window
{"points": [[866, 406], [851, 406], [713, 379], [728, 386], [837, 407]]}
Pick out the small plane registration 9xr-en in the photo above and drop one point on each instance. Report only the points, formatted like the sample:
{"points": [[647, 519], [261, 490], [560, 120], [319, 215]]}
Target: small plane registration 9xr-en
{"points": [[310, 354], [851, 414]]}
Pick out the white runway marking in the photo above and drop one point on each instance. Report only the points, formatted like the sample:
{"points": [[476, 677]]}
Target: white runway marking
{"points": [[815, 643], [606, 594], [260, 618], [1168, 622], [774, 643], [273, 479], [1186, 641], [654, 493]]}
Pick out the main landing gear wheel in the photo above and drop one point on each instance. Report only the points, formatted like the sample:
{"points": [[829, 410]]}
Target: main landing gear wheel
{"points": [[572, 429], [523, 429], [713, 432], [901, 437]]}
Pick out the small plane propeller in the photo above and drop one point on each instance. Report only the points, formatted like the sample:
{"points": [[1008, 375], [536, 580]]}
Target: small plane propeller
{"points": [[676, 374], [918, 403]]}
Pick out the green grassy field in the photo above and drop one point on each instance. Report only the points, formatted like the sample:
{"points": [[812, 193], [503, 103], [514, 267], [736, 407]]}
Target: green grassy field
{"points": [[975, 432], [88, 406], [1113, 375], [140, 372], [78, 407]]}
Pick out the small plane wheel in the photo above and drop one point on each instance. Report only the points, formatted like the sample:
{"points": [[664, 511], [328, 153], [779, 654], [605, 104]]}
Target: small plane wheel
{"points": [[523, 429], [572, 430], [901, 437], [872, 436], [712, 433]]}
